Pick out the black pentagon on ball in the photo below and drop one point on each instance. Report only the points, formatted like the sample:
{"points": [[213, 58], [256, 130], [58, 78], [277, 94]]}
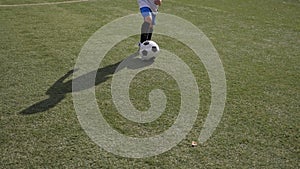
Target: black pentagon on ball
{"points": [[154, 48], [146, 43], [144, 52]]}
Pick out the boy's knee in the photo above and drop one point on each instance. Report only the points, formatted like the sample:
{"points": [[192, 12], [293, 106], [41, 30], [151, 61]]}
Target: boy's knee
{"points": [[148, 19]]}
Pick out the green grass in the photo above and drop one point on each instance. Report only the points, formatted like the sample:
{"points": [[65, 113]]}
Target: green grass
{"points": [[258, 43], [9, 2]]}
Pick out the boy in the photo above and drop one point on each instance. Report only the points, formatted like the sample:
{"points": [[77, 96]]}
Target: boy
{"points": [[149, 9]]}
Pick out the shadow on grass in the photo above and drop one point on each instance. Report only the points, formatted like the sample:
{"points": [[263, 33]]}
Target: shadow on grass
{"points": [[57, 92]]}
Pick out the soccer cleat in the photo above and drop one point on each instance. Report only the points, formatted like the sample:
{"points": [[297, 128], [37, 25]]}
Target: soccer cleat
{"points": [[139, 46]]}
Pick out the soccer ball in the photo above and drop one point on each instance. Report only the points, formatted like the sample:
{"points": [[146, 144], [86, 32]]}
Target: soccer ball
{"points": [[148, 50]]}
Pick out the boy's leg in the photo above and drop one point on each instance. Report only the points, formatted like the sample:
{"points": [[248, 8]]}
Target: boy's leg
{"points": [[146, 28], [153, 17]]}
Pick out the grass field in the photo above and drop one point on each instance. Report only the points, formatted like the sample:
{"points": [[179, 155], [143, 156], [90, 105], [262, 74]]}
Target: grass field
{"points": [[258, 43]]}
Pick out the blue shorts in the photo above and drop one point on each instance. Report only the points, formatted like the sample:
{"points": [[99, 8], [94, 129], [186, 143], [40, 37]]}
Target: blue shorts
{"points": [[145, 11]]}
